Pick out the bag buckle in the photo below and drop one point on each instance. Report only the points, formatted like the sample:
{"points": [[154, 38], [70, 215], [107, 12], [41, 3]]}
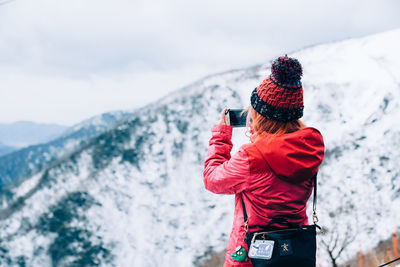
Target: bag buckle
{"points": [[315, 217]]}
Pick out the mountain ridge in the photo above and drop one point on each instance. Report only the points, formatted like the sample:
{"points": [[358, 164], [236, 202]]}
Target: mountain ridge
{"points": [[17, 165], [24, 133]]}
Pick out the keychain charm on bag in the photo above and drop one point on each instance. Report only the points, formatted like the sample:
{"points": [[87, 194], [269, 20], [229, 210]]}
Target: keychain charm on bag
{"points": [[240, 254]]}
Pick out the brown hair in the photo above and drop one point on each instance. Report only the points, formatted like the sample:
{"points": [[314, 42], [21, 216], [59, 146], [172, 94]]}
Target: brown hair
{"points": [[261, 125]]}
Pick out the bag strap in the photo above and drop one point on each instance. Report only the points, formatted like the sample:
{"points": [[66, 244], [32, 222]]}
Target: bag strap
{"points": [[244, 208], [314, 206], [277, 220]]}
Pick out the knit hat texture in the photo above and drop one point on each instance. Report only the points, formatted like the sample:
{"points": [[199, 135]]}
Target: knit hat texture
{"points": [[280, 96]]}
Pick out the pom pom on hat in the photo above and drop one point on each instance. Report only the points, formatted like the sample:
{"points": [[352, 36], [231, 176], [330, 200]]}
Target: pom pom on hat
{"points": [[280, 96], [287, 71]]}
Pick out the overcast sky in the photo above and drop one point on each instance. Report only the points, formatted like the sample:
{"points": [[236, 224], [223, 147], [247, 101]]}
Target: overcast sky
{"points": [[64, 61]]}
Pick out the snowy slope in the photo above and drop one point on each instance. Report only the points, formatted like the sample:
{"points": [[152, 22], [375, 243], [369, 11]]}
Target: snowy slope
{"points": [[134, 195], [355, 94], [29, 160]]}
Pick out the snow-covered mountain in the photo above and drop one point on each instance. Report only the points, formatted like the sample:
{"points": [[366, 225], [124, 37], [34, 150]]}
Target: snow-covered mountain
{"points": [[4, 149], [27, 161], [134, 195]]}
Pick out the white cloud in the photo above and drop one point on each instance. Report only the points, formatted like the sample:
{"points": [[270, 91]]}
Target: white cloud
{"points": [[103, 51], [66, 100]]}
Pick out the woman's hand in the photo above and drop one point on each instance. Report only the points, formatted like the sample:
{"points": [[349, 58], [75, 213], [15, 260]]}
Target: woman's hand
{"points": [[224, 118]]}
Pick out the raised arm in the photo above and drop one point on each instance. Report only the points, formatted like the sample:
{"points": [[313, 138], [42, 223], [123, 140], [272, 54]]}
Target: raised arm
{"points": [[223, 174]]}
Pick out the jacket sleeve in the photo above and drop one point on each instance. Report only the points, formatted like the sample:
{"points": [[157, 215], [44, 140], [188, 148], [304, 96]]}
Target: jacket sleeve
{"points": [[223, 174]]}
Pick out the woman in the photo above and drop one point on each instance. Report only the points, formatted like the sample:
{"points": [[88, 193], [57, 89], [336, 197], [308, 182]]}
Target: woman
{"points": [[274, 172]]}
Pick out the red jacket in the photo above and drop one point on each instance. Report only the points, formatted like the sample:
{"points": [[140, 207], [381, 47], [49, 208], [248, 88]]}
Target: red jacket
{"points": [[274, 172]]}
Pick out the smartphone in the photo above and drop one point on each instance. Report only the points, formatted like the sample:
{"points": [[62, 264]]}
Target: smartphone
{"points": [[237, 117]]}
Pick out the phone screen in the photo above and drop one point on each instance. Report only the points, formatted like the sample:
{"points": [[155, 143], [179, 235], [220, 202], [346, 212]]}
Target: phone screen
{"points": [[237, 117]]}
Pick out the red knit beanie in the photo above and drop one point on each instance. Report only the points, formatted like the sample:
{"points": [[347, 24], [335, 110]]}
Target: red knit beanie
{"points": [[280, 96]]}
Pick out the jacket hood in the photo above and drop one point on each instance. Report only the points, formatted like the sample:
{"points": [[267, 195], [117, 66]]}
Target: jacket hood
{"points": [[293, 157]]}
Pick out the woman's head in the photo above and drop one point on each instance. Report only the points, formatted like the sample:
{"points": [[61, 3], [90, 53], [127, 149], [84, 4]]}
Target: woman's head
{"points": [[259, 124], [277, 103]]}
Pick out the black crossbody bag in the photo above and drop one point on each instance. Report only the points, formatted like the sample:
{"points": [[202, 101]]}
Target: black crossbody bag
{"points": [[294, 245]]}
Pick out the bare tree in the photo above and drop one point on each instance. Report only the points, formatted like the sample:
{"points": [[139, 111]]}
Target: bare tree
{"points": [[335, 243]]}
